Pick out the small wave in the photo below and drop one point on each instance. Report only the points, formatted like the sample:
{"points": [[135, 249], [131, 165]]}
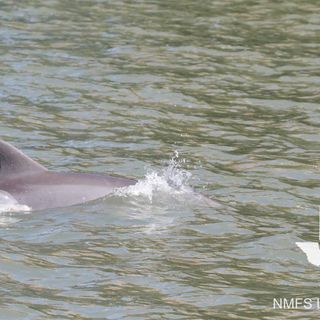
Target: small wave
{"points": [[10, 204]]}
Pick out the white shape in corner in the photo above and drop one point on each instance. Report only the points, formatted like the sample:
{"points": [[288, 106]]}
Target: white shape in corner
{"points": [[311, 249]]}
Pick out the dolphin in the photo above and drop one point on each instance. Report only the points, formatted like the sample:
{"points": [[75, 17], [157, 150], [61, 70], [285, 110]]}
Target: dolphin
{"points": [[31, 184]]}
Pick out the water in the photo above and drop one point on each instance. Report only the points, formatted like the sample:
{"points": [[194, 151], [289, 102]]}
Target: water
{"points": [[118, 87]]}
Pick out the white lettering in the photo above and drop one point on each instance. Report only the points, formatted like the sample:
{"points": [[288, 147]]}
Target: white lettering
{"points": [[278, 303], [296, 303], [289, 303], [308, 303]]}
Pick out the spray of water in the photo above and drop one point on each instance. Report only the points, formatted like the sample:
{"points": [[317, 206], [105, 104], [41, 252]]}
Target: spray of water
{"points": [[172, 180]]}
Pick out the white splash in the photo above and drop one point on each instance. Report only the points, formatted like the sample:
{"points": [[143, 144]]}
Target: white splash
{"points": [[311, 249], [170, 181], [9, 204]]}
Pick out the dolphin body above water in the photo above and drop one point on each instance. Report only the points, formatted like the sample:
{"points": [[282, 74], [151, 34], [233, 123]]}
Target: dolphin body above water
{"points": [[31, 184]]}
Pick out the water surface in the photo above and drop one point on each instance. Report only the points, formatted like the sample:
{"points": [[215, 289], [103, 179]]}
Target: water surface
{"points": [[116, 87]]}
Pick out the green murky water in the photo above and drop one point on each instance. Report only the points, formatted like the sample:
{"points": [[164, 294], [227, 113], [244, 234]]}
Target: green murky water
{"points": [[117, 87]]}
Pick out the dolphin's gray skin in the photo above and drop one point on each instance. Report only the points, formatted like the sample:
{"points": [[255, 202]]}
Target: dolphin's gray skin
{"points": [[33, 185]]}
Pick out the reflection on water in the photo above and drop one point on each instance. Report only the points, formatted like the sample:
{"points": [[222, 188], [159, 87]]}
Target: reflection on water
{"points": [[116, 87]]}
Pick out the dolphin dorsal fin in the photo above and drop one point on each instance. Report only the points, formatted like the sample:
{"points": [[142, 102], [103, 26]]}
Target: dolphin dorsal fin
{"points": [[14, 162]]}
